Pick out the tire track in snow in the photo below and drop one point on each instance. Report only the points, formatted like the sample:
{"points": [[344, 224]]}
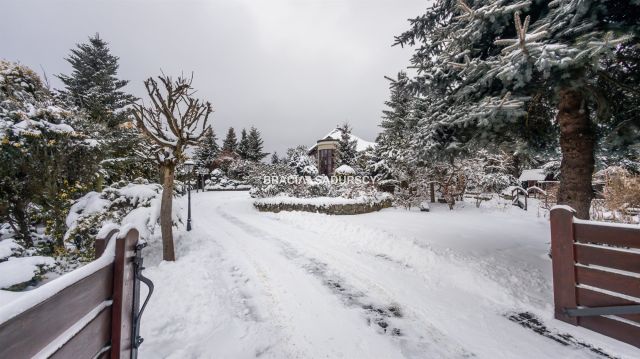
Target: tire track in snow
{"points": [[385, 318], [314, 322], [350, 296]]}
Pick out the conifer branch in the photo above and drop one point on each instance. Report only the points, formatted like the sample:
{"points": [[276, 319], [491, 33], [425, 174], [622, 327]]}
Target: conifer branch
{"points": [[468, 11]]}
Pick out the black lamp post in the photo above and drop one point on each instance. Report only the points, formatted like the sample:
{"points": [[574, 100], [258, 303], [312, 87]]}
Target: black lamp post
{"points": [[188, 166]]}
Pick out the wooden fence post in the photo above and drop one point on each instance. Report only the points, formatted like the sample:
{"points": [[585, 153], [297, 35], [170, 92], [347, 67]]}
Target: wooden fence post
{"points": [[563, 261], [123, 278]]}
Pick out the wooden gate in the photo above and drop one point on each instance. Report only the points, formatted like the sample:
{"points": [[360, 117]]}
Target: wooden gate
{"points": [[596, 275], [87, 313]]}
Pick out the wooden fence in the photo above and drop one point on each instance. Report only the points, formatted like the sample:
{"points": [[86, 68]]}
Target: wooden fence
{"points": [[87, 313], [596, 275]]}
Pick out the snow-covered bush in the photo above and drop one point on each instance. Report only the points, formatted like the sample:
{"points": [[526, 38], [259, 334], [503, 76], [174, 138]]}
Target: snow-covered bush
{"points": [[218, 181], [345, 170], [621, 196], [495, 182], [489, 172], [122, 203], [46, 162], [299, 160], [239, 169]]}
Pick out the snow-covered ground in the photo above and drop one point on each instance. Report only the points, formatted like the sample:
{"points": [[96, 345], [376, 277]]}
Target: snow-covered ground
{"points": [[390, 284]]}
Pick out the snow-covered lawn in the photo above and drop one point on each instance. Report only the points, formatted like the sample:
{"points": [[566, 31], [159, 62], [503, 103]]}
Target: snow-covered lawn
{"points": [[389, 284]]}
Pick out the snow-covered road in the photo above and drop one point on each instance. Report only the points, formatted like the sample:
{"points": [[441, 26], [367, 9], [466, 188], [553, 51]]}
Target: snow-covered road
{"points": [[391, 284]]}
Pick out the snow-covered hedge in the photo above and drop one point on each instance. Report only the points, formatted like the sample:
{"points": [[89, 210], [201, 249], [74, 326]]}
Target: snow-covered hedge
{"points": [[328, 205], [271, 185]]}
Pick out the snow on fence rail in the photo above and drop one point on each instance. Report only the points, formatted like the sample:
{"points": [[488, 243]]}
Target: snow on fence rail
{"points": [[88, 313], [596, 275]]}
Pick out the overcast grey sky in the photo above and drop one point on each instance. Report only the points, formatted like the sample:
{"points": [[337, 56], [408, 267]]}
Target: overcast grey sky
{"points": [[292, 68]]}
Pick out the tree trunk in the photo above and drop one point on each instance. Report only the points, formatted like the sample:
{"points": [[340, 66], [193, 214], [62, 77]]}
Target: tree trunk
{"points": [[166, 211], [577, 145]]}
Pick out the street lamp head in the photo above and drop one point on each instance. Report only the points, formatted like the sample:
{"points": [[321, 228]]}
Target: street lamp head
{"points": [[189, 165]]}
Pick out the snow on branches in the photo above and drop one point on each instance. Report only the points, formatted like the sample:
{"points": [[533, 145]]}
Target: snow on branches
{"points": [[176, 119], [524, 40]]}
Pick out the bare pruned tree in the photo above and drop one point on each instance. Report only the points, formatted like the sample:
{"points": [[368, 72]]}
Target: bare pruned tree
{"points": [[173, 121]]}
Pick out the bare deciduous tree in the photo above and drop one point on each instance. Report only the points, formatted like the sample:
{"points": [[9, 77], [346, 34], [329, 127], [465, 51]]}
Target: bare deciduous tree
{"points": [[173, 121]]}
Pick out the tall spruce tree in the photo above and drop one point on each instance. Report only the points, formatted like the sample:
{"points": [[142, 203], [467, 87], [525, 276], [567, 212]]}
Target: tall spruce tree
{"points": [[230, 143], [347, 151], [481, 90], [243, 145], [207, 150], [399, 127], [255, 145], [93, 85], [399, 106]]}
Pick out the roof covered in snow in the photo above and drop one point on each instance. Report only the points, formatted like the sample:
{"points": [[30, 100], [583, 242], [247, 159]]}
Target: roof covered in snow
{"points": [[335, 134], [536, 174]]}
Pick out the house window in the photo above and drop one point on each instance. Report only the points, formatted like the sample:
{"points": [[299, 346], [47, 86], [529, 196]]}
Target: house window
{"points": [[325, 162]]}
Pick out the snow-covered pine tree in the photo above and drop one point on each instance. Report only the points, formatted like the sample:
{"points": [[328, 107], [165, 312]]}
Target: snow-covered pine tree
{"points": [[274, 158], [394, 119], [620, 133], [399, 127], [243, 145], [94, 87], [255, 145], [481, 88], [126, 154], [207, 150], [230, 143], [93, 84], [347, 152]]}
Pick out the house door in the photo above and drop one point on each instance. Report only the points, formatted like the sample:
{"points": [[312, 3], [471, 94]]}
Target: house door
{"points": [[325, 162]]}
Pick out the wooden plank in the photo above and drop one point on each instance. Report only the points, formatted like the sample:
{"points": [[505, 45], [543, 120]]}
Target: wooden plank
{"points": [[26, 334], [564, 277], [122, 315], [613, 282], [105, 355], [606, 234], [591, 298], [90, 340], [624, 332], [100, 243], [609, 258]]}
